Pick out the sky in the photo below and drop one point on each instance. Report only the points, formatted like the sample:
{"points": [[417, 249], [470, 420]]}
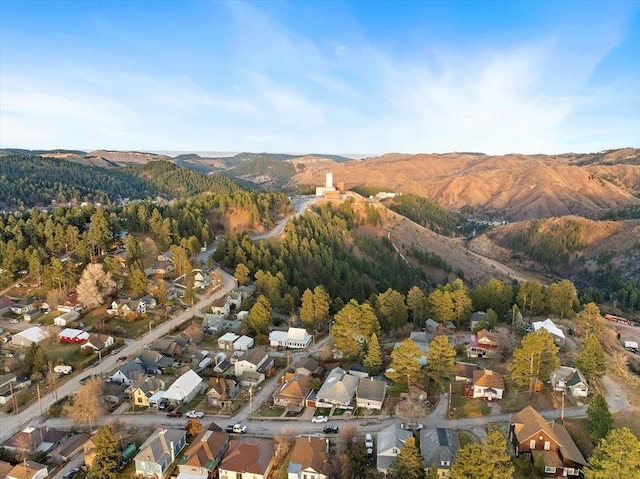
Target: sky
{"points": [[341, 77]]}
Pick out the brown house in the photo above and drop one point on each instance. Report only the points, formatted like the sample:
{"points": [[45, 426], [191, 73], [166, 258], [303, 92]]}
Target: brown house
{"points": [[222, 391], [205, 453], [293, 392], [308, 458], [251, 456], [533, 435]]}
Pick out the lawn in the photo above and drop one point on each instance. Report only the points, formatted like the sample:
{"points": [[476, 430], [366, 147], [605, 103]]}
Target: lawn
{"points": [[578, 428], [517, 398], [463, 407], [272, 411]]}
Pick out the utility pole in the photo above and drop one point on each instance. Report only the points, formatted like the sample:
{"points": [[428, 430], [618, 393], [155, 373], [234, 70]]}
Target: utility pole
{"points": [[39, 401], [250, 401], [562, 411], [449, 406], [14, 400]]}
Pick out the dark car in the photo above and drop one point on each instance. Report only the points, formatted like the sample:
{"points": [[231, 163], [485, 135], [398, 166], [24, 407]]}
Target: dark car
{"points": [[174, 414], [229, 428], [330, 429]]}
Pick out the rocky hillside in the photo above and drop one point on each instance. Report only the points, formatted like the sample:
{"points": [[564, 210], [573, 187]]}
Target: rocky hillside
{"points": [[512, 187]]}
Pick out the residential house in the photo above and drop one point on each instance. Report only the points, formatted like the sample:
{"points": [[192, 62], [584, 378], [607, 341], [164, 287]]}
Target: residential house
{"points": [[432, 325], [251, 367], [293, 393], [388, 444], [28, 470], [308, 459], [5, 304], [337, 390], [534, 436], [464, 371], [24, 306], [201, 459], [7, 384], [483, 344], [570, 380], [125, 307], [66, 319], [89, 451], [234, 299], [166, 256], [162, 267], [370, 393], [243, 343], [150, 301], [144, 388], [153, 362], [222, 392], [169, 288], [477, 318], [36, 439], [250, 458], [226, 341], [557, 333], [308, 367], [70, 304], [200, 279], [69, 447], [98, 342], [184, 389], [220, 307], [127, 373], [113, 393], [439, 447], [29, 336], [158, 452], [72, 335], [420, 337], [31, 315], [246, 292], [294, 338], [488, 384], [168, 346]]}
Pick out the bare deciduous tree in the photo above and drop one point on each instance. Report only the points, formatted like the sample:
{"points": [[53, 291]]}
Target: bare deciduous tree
{"points": [[87, 403], [411, 410], [55, 297], [284, 443], [94, 285], [349, 436]]}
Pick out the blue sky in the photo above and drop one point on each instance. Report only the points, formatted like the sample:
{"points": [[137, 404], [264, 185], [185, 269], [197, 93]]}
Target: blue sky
{"points": [[325, 76]]}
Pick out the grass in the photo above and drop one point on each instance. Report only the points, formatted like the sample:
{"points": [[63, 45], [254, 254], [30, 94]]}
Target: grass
{"points": [[517, 398], [272, 411], [628, 419], [578, 428], [322, 411], [462, 407]]}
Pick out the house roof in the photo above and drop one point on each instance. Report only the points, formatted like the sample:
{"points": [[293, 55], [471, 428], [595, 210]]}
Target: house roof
{"points": [[129, 369], [487, 335], [248, 455], [228, 337], [279, 336], [149, 358], [31, 437], [549, 326], [5, 468], [298, 386], [205, 449], [438, 445], [254, 356], [372, 389], [339, 386], [221, 386], [570, 376], [488, 379], [466, 370], [432, 324], [529, 422], [34, 334], [219, 303], [98, 340], [158, 446], [244, 341], [309, 364], [309, 453], [26, 469], [148, 385], [184, 385], [479, 316], [420, 336], [297, 334]]}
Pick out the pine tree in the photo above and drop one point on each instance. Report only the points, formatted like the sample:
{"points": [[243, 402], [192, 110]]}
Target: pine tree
{"points": [[536, 358], [392, 310], [307, 315], [105, 462], [259, 317], [417, 304], [242, 274], [441, 361], [408, 464], [354, 323], [405, 365], [617, 455], [590, 359], [601, 420], [488, 460], [373, 360], [499, 459]]}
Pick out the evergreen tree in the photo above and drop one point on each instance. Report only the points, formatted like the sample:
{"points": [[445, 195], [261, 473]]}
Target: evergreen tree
{"points": [[617, 456], [405, 365], [392, 311], [562, 298], [242, 274], [137, 280], [441, 306], [590, 359], [259, 317], [133, 250], [601, 420], [373, 360], [307, 315], [536, 358], [462, 303], [591, 320], [488, 460], [354, 323], [441, 361], [499, 459], [530, 295], [408, 464], [105, 461], [417, 304]]}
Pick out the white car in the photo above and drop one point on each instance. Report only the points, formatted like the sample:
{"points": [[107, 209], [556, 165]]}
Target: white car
{"points": [[14, 321], [319, 419], [239, 428], [368, 441], [195, 414]]}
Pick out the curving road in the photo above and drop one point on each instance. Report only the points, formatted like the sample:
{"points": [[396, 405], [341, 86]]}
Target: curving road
{"points": [[14, 423]]}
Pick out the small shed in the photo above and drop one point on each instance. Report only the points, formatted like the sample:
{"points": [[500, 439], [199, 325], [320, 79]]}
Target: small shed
{"points": [[243, 343]]}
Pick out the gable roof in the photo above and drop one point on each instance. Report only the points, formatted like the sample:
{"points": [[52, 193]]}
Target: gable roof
{"points": [[205, 449], [438, 445], [158, 446], [373, 389], [26, 469], [249, 455], [148, 385], [487, 336], [297, 386], [466, 370], [488, 379], [254, 356], [184, 385], [309, 453], [129, 369], [339, 386], [309, 364], [297, 334], [221, 386], [392, 436], [549, 326]]}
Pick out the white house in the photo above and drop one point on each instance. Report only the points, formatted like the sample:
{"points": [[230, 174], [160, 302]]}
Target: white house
{"points": [[370, 393], [220, 307], [127, 306], [556, 332], [337, 390], [66, 319], [29, 336], [226, 341], [98, 342], [570, 380], [200, 279], [487, 384], [250, 368], [184, 389], [243, 343], [294, 338]]}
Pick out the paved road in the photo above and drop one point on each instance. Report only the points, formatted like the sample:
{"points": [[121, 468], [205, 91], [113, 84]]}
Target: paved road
{"points": [[14, 423], [300, 203]]}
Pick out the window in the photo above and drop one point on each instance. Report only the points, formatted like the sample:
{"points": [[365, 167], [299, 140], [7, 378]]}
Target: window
{"points": [[547, 445], [532, 444], [550, 470], [570, 471]]}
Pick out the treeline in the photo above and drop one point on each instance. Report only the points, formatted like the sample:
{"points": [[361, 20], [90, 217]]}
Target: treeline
{"points": [[427, 213], [553, 248], [27, 181], [323, 249], [264, 165], [626, 213]]}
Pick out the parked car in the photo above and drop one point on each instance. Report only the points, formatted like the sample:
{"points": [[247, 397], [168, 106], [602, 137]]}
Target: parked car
{"points": [[239, 428], [195, 414], [368, 441], [70, 473], [230, 428], [14, 321], [319, 419], [174, 414], [330, 430], [38, 323], [411, 427], [122, 358], [115, 351]]}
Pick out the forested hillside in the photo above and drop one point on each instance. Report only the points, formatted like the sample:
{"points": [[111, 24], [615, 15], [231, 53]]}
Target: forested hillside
{"points": [[27, 181]]}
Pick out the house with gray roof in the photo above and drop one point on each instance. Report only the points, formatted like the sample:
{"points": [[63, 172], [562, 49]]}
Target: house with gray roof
{"points": [[439, 447], [158, 452], [127, 373], [389, 442], [370, 393], [337, 390]]}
